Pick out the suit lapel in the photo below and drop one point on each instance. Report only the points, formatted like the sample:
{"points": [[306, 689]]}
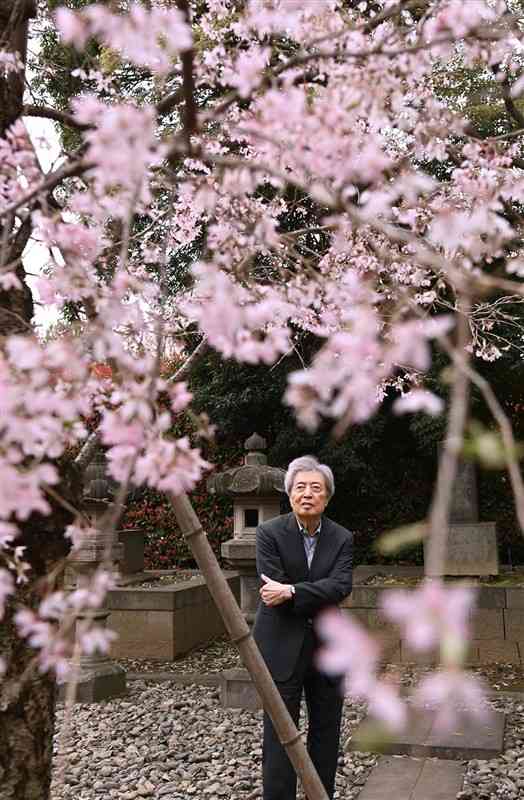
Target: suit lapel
{"points": [[323, 555]]}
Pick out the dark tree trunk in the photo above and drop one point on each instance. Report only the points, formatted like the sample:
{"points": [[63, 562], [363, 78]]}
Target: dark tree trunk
{"points": [[26, 716], [27, 705], [16, 305]]}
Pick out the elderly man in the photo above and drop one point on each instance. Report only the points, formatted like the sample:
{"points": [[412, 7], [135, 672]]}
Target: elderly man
{"points": [[304, 561]]}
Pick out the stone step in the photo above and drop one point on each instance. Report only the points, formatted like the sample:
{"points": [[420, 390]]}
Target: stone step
{"points": [[467, 740], [404, 778]]}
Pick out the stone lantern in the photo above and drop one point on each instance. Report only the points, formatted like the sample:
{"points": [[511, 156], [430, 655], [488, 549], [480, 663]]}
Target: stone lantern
{"points": [[256, 489], [98, 678]]}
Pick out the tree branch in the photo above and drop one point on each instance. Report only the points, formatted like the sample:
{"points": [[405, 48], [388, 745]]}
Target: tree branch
{"points": [[511, 107], [170, 101], [182, 372], [188, 83], [93, 440], [58, 116], [51, 180]]}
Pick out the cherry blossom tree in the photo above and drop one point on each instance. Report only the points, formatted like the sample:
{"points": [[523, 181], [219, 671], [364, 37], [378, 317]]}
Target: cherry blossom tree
{"points": [[252, 108]]}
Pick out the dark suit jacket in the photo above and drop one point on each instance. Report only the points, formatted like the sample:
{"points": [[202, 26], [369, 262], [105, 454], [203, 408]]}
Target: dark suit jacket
{"points": [[279, 631]]}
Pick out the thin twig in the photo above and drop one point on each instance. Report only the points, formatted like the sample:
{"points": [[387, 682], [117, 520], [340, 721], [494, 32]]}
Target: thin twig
{"points": [[52, 179], [199, 351], [45, 112]]}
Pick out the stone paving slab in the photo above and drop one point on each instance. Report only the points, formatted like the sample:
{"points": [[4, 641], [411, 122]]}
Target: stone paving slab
{"points": [[466, 741], [413, 779]]}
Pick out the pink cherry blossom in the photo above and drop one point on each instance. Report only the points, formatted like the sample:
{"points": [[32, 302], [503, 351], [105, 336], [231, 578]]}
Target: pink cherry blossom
{"points": [[96, 640], [431, 613], [385, 704], [10, 62], [419, 400], [150, 38], [347, 646], [8, 532], [460, 19], [246, 73], [8, 280], [72, 27], [453, 694], [77, 534], [180, 397], [350, 651], [54, 651]]}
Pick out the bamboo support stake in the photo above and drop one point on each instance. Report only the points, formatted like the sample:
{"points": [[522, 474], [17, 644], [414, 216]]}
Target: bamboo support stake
{"points": [[240, 634]]}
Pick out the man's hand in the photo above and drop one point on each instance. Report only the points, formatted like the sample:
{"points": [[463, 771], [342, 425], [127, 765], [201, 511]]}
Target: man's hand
{"points": [[274, 593]]}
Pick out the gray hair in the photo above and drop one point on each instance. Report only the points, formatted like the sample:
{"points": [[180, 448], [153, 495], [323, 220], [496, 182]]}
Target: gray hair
{"points": [[309, 464]]}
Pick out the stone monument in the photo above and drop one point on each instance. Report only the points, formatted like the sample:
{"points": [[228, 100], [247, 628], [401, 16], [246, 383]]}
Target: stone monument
{"points": [[97, 676], [472, 545], [256, 489]]}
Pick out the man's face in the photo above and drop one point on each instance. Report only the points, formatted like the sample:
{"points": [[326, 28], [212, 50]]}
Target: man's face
{"points": [[309, 494]]}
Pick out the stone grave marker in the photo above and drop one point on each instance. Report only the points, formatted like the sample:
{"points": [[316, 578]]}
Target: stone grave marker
{"points": [[472, 545]]}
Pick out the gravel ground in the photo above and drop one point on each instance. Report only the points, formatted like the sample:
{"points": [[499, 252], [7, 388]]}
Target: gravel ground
{"points": [[161, 581], [221, 654], [500, 778], [218, 655], [172, 742], [175, 742]]}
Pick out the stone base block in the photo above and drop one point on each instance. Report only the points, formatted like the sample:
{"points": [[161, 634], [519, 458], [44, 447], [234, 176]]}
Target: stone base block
{"points": [[100, 683], [472, 549], [514, 624], [416, 779], [497, 650], [237, 690], [423, 739], [133, 551], [488, 623]]}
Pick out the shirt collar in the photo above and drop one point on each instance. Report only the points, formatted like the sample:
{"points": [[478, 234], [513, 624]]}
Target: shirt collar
{"points": [[305, 532]]}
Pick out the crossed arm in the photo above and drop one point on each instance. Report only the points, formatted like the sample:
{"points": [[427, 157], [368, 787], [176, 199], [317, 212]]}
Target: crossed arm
{"points": [[310, 596]]}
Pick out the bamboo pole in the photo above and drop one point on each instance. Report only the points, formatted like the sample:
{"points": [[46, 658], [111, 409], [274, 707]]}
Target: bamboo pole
{"points": [[240, 634]]}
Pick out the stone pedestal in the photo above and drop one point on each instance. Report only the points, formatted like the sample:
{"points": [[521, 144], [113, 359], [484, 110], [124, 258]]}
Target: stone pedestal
{"points": [[256, 489], [237, 690], [101, 681], [464, 501], [472, 549], [96, 675], [132, 542], [241, 554]]}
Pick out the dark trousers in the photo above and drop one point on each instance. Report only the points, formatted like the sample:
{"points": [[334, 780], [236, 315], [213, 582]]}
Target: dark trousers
{"points": [[324, 704]]}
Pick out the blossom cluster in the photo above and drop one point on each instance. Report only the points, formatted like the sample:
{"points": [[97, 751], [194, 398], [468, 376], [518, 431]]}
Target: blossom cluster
{"points": [[431, 617], [147, 38]]}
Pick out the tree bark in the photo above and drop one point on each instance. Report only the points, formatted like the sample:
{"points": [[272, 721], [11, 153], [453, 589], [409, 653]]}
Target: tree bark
{"points": [[16, 305], [26, 706]]}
